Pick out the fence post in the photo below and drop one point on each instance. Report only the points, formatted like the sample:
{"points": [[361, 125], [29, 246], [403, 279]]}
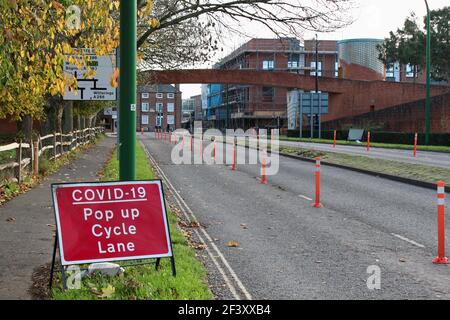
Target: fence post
{"points": [[61, 140], [19, 160], [54, 145], [36, 157]]}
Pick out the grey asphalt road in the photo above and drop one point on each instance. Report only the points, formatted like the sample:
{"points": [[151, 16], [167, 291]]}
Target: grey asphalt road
{"points": [[290, 250], [429, 158]]}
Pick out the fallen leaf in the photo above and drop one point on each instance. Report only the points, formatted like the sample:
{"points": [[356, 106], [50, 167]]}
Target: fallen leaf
{"points": [[402, 260], [244, 226], [232, 244], [105, 292], [11, 219]]}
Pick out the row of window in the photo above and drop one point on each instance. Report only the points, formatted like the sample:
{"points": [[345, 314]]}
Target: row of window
{"points": [[392, 69], [146, 95], [145, 107], [269, 65], [159, 120]]}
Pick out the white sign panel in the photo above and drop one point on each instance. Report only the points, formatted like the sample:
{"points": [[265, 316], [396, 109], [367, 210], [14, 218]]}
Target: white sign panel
{"points": [[96, 87], [170, 119]]}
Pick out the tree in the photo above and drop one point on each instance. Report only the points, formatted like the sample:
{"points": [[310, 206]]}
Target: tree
{"points": [[407, 45], [196, 25], [34, 37]]}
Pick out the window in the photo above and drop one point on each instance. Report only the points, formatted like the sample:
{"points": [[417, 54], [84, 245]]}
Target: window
{"points": [[390, 71], [159, 107], [144, 119], [409, 71], [267, 94], [336, 69], [170, 96], [159, 95], [313, 68], [159, 120], [292, 64], [145, 95], [267, 64], [170, 119], [170, 107], [144, 107]]}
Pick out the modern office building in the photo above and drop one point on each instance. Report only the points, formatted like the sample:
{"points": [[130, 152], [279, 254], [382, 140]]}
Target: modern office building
{"points": [[158, 107]]}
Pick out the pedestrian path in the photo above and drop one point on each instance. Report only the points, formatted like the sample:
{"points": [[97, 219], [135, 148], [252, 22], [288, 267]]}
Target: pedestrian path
{"points": [[27, 223]]}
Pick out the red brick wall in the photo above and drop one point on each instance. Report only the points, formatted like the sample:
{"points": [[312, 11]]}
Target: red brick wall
{"points": [[152, 100], [408, 118]]}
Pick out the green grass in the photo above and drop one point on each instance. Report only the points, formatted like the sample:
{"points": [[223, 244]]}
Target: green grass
{"points": [[373, 144], [144, 282], [401, 169]]}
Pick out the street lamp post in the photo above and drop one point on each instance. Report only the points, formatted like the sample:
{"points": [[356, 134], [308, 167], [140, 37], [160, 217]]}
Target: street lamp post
{"points": [[428, 58], [127, 98]]}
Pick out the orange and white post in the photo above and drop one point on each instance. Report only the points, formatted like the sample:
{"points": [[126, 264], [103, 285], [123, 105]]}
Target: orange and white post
{"points": [[441, 258], [334, 139], [415, 145], [233, 160], [263, 168], [317, 203], [368, 141]]}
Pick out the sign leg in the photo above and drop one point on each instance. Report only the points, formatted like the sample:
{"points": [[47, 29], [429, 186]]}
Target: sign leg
{"points": [[158, 261], [172, 264], [52, 270]]}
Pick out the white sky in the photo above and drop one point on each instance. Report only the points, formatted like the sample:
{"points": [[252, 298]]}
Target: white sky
{"points": [[372, 19]]}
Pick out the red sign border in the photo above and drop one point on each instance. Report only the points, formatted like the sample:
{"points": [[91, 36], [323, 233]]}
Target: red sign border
{"points": [[55, 186]]}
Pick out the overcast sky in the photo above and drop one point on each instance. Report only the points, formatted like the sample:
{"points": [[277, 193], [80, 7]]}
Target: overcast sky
{"points": [[373, 19]]}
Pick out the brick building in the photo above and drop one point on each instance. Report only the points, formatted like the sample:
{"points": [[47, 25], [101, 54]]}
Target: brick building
{"points": [[158, 107], [247, 106]]}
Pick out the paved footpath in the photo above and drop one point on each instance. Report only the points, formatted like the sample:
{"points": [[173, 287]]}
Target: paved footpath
{"points": [[27, 242]]}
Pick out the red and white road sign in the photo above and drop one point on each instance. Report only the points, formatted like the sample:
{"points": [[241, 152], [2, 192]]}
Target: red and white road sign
{"points": [[111, 221]]}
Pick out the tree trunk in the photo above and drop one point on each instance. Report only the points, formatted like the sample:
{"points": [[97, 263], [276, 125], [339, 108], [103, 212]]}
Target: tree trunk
{"points": [[68, 117]]}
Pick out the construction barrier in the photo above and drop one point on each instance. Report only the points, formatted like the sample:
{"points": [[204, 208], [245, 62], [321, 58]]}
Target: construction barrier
{"points": [[441, 258]]}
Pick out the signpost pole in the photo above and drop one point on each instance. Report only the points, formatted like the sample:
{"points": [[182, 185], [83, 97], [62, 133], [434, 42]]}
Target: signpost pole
{"points": [[127, 110]]}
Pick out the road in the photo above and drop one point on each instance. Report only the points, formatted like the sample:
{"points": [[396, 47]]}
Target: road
{"points": [[429, 158], [289, 250]]}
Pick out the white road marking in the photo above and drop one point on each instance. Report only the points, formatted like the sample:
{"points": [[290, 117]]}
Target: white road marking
{"points": [[408, 240], [180, 200], [305, 197]]}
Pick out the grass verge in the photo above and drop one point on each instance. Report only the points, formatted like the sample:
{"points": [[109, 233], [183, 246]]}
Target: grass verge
{"points": [[400, 169], [373, 144], [144, 282]]}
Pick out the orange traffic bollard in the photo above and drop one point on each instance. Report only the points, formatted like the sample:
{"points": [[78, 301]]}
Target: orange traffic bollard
{"points": [[415, 145], [317, 203], [263, 169], [368, 141], [334, 139], [214, 151], [191, 143], [142, 131], [233, 161], [441, 258]]}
